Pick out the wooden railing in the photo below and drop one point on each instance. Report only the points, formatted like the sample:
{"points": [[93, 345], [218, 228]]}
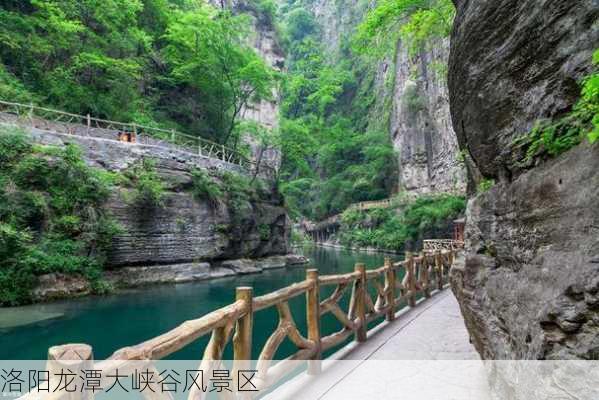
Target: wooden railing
{"points": [[369, 205], [335, 220], [393, 285], [442, 244], [84, 125]]}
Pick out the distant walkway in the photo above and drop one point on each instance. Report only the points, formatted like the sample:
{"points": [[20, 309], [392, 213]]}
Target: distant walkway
{"points": [[434, 330], [87, 126], [321, 231]]}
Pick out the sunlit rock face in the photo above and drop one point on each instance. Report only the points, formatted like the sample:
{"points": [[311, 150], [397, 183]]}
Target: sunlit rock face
{"points": [[421, 124], [530, 283]]}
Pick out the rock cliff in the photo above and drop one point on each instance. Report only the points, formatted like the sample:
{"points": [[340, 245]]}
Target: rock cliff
{"points": [[185, 229], [186, 238], [529, 288], [412, 102], [420, 123]]}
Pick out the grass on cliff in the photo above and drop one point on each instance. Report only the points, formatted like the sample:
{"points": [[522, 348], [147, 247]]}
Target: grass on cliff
{"points": [[51, 216], [148, 187], [550, 138], [235, 191], [390, 230]]}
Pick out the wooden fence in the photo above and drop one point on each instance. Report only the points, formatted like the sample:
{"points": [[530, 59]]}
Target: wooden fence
{"points": [[84, 125], [421, 275], [369, 205], [442, 244]]}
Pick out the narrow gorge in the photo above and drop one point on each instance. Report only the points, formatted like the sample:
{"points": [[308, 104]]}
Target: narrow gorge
{"points": [[326, 122], [406, 190]]}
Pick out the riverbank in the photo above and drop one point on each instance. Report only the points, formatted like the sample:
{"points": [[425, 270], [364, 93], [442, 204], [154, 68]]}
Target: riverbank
{"points": [[368, 250], [136, 314], [56, 286]]}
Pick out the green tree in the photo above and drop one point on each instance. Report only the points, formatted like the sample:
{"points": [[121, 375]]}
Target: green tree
{"points": [[415, 22], [300, 24], [207, 52], [172, 63], [82, 56]]}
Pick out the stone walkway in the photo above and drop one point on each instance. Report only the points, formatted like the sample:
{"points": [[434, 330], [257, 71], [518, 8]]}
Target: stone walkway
{"points": [[424, 354]]}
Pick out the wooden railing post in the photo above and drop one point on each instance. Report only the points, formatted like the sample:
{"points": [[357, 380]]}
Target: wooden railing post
{"points": [[74, 357], [242, 341], [425, 276], [390, 287], [313, 319], [439, 269], [361, 303], [411, 272]]}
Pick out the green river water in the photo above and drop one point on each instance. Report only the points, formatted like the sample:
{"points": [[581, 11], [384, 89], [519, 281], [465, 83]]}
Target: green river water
{"points": [[110, 322]]}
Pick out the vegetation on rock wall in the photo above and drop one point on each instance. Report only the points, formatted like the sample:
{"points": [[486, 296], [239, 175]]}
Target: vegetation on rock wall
{"points": [[330, 158], [172, 63], [204, 187], [393, 228], [148, 188], [415, 22], [551, 138], [51, 216]]}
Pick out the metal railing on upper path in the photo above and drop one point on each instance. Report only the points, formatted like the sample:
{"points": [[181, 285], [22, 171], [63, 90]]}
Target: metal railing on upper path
{"points": [[85, 125], [394, 284]]}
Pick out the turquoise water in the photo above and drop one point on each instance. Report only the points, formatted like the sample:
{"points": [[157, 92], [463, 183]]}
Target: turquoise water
{"points": [[110, 322]]}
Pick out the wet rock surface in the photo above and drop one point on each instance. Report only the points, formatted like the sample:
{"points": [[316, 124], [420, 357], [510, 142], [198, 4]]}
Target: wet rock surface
{"points": [[189, 272], [58, 286]]}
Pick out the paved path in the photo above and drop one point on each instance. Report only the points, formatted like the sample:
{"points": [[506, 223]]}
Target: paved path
{"points": [[424, 354]]}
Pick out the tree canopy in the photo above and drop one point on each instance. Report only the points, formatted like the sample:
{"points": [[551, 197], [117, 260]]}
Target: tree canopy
{"points": [[174, 63], [415, 22], [330, 158]]}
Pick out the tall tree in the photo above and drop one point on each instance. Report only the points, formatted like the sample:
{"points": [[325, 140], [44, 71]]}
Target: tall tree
{"points": [[208, 51]]}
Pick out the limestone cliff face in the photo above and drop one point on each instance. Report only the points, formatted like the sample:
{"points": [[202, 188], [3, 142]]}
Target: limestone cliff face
{"points": [[412, 103], [337, 20], [421, 124], [530, 285], [185, 229]]}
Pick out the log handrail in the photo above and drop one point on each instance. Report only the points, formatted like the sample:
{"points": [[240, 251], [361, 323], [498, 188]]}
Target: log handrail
{"points": [[234, 323], [441, 244], [189, 143]]}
